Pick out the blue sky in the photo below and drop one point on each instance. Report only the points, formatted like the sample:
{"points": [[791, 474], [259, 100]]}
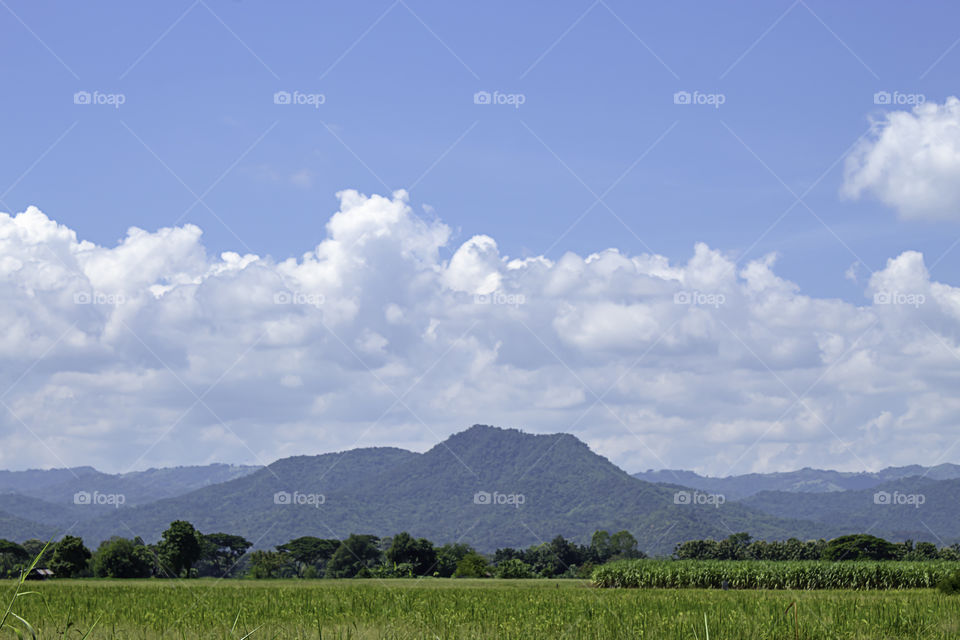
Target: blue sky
{"points": [[760, 279], [399, 78]]}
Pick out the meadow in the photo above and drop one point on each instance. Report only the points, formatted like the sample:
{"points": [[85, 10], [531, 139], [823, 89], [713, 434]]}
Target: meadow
{"points": [[432, 608]]}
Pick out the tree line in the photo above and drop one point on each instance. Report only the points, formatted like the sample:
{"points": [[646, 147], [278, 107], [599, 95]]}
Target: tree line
{"points": [[741, 546], [184, 552]]}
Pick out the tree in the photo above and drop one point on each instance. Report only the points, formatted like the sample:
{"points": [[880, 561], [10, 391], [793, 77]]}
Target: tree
{"points": [[859, 547], [180, 548], [268, 564], [472, 565], [308, 551], [11, 557], [419, 553], [513, 568], [354, 554], [449, 556], [624, 545], [220, 553], [122, 558], [70, 558]]}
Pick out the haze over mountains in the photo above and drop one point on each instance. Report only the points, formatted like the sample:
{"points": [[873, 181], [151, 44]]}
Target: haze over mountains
{"points": [[487, 486]]}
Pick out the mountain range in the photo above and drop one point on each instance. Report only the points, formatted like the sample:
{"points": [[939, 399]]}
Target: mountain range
{"points": [[486, 486]]}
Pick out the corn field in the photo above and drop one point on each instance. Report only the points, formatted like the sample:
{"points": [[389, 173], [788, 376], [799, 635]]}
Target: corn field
{"points": [[754, 574]]}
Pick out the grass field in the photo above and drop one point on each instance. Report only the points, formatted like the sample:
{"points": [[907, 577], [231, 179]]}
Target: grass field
{"points": [[471, 609]]}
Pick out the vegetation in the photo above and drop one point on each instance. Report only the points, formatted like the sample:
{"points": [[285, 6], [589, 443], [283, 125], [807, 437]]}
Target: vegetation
{"points": [[427, 608], [760, 574]]}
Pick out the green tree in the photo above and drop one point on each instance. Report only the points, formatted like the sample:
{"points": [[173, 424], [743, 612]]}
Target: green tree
{"points": [[472, 565], [122, 558], [70, 558], [308, 551], [624, 545], [269, 564], [419, 553], [12, 556], [449, 556], [513, 568], [356, 553], [180, 548], [859, 547], [220, 553]]}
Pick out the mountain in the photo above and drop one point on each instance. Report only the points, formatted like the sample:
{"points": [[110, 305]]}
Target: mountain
{"points": [[58, 486], [804, 480], [16, 528], [914, 507], [488, 486]]}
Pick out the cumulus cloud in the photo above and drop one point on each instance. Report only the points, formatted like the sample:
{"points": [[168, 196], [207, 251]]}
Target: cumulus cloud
{"points": [[911, 162], [154, 352]]}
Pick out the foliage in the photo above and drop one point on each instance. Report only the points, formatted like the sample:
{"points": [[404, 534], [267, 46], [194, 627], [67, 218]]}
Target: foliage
{"points": [[123, 558], [487, 609], [760, 574], [418, 553], [513, 568], [180, 548], [354, 554], [70, 558], [859, 547], [220, 553], [472, 565]]}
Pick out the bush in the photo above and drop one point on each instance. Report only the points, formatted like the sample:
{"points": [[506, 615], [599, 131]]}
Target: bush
{"points": [[950, 584], [514, 569]]}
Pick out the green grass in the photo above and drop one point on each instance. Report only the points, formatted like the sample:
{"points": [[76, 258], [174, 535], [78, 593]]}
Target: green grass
{"points": [[753, 574], [149, 610]]}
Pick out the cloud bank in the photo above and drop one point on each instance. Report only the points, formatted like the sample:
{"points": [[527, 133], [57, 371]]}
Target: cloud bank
{"points": [[153, 352], [911, 162]]}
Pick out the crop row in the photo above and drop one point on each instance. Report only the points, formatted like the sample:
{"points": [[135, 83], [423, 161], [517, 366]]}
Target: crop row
{"points": [[700, 574]]}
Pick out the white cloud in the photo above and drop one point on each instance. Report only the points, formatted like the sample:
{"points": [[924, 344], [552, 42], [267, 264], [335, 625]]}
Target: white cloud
{"points": [[911, 162], [106, 350]]}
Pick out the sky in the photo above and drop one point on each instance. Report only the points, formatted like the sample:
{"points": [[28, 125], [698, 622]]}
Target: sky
{"points": [[712, 236]]}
